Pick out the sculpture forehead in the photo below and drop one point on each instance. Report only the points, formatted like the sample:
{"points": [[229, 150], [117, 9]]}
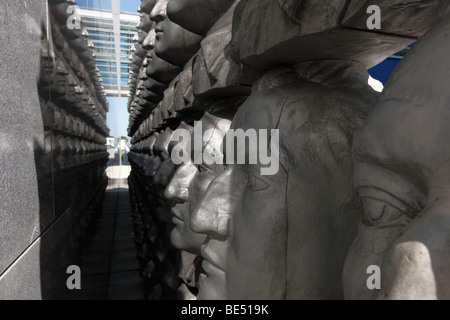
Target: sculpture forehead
{"points": [[410, 119], [262, 110], [405, 131]]}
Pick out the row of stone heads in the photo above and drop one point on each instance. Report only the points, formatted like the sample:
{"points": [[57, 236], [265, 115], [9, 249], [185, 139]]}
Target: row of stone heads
{"points": [[70, 152], [359, 206], [58, 119], [158, 259], [158, 58], [234, 36], [68, 68], [59, 86]]}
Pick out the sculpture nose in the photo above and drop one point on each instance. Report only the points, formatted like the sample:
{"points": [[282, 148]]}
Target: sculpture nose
{"points": [[178, 188], [175, 191], [208, 219], [213, 215]]}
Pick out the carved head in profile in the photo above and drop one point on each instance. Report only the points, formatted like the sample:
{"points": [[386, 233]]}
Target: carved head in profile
{"points": [[61, 84], [164, 174], [197, 16], [272, 236], [174, 44], [46, 76], [191, 180]]}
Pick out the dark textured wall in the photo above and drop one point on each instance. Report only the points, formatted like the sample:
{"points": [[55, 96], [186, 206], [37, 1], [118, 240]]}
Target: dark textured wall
{"points": [[52, 149]]}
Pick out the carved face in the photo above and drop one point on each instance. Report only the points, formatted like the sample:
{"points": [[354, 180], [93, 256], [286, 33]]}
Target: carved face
{"points": [[190, 182], [173, 43], [223, 201], [145, 23], [179, 190], [402, 177], [271, 237], [163, 175], [47, 65], [197, 16], [59, 86]]}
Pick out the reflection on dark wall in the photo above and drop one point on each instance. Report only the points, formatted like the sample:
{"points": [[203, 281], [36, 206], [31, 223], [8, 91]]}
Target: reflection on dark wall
{"points": [[71, 166], [55, 167]]}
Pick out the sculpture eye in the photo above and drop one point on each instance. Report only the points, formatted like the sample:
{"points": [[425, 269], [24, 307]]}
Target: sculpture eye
{"points": [[203, 169], [382, 209], [256, 184], [381, 214]]}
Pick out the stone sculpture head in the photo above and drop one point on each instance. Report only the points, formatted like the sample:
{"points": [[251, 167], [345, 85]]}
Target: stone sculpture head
{"points": [[197, 16], [164, 174], [190, 182], [46, 76], [273, 236], [145, 23], [173, 43], [402, 176], [59, 86]]}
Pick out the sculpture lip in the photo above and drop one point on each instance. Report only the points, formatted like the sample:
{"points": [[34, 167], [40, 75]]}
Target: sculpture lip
{"points": [[176, 213], [177, 221], [209, 266]]}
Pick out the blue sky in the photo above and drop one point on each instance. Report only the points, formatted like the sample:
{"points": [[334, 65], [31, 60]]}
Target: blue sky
{"points": [[117, 117], [125, 5]]}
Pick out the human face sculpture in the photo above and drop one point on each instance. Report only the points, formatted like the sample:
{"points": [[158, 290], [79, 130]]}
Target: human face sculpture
{"points": [[197, 16], [163, 175], [58, 87], [173, 43], [46, 75], [190, 182], [73, 91], [145, 23], [402, 176], [273, 236]]}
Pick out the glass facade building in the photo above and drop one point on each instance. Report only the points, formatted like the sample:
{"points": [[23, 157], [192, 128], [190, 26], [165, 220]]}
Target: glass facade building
{"points": [[99, 24], [97, 16]]}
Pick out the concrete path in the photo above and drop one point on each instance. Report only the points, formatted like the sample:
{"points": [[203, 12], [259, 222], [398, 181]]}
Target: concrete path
{"points": [[110, 269]]}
